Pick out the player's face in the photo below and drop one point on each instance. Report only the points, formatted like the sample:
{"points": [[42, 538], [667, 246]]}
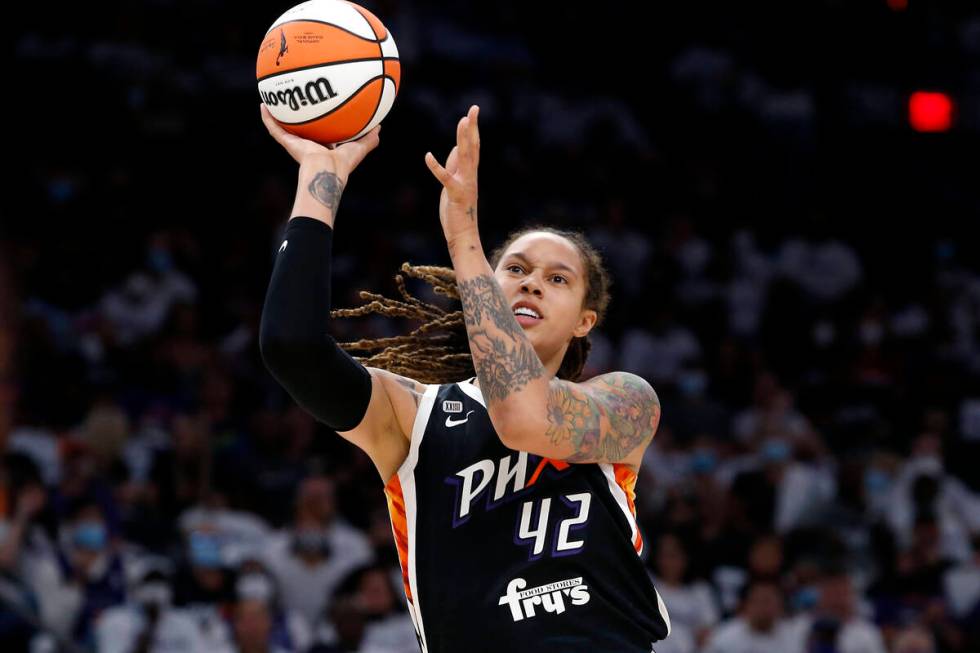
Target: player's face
{"points": [[545, 273]]}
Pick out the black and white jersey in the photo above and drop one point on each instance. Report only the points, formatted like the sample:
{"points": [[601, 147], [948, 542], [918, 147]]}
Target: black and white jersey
{"points": [[507, 552]]}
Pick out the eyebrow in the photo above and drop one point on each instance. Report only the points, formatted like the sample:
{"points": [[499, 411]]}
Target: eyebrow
{"points": [[556, 265]]}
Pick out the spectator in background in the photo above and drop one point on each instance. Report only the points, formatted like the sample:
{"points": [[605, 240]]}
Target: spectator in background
{"points": [[204, 586], [924, 487], [385, 625], [777, 492], [290, 630], [252, 627], [835, 624], [148, 623], [90, 574], [690, 603], [914, 639], [139, 306], [22, 542], [961, 586], [659, 350], [760, 626], [312, 556]]}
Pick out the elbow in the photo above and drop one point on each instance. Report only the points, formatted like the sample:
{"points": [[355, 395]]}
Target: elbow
{"points": [[512, 430]]}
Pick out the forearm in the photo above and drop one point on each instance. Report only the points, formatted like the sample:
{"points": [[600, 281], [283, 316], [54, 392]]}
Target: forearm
{"points": [[512, 377], [318, 191], [293, 338]]}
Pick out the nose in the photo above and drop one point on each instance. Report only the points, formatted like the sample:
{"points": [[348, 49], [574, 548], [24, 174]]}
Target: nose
{"points": [[529, 285]]}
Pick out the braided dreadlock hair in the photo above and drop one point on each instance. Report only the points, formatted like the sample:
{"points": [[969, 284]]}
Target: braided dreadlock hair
{"points": [[438, 350]]}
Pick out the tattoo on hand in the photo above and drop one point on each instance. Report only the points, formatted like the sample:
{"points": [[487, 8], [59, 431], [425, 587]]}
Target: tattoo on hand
{"points": [[327, 188], [504, 359], [604, 420]]}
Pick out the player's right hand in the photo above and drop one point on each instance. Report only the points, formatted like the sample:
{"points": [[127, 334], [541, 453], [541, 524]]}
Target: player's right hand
{"points": [[340, 159]]}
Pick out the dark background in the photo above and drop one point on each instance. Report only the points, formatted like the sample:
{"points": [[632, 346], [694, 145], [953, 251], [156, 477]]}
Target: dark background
{"points": [[669, 135]]}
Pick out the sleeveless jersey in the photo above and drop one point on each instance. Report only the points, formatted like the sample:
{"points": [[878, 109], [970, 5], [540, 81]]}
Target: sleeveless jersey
{"points": [[503, 551]]}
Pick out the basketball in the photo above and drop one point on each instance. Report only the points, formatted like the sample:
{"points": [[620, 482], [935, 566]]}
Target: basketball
{"points": [[328, 70]]}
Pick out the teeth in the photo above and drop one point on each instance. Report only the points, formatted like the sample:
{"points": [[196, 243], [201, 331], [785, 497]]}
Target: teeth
{"points": [[523, 310]]}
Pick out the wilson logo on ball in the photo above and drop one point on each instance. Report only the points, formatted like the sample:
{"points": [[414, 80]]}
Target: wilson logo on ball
{"points": [[313, 93]]}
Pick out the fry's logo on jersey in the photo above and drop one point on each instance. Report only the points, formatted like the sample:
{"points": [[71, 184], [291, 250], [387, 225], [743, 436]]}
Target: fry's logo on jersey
{"points": [[501, 481], [551, 597]]}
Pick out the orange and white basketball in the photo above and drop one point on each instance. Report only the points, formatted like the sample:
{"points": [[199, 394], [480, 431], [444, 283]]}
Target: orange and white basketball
{"points": [[328, 70]]}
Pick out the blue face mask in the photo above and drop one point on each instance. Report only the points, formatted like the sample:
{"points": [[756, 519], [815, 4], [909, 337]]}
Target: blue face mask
{"points": [[804, 598], [205, 551], [776, 451], [160, 260], [90, 536], [703, 461], [876, 481], [692, 383]]}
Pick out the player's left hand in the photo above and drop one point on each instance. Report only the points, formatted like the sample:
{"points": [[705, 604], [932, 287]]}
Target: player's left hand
{"points": [[457, 204]]}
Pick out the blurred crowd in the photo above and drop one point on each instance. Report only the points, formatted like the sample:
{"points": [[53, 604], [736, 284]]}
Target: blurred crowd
{"points": [[791, 273]]}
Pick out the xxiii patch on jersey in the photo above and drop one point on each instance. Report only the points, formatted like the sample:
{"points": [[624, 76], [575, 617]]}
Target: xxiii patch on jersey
{"points": [[503, 551]]}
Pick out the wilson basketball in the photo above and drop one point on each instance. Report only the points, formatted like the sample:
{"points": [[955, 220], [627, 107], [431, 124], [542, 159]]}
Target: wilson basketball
{"points": [[328, 70]]}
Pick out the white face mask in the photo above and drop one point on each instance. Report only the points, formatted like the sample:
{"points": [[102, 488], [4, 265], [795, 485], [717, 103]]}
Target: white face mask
{"points": [[155, 593]]}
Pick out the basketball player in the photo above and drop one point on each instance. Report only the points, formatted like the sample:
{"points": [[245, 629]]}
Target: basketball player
{"points": [[510, 492]]}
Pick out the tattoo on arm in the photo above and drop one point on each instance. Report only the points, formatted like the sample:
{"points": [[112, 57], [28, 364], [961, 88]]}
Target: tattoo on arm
{"points": [[604, 420], [503, 357], [327, 188]]}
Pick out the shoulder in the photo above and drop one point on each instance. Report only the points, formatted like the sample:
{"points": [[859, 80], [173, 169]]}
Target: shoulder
{"points": [[626, 384]]}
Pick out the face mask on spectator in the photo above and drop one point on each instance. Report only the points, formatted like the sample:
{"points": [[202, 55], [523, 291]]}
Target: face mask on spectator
{"points": [[90, 536], [311, 543], [159, 260], [254, 586], [692, 383], [775, 451], [205, 551], [804, 598], [154, 594], [703, 461], [876, 482]]}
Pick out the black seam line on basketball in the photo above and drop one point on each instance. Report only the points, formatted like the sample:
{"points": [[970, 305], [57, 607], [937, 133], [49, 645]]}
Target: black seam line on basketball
{"points": [[323, 22], [322, 65], [366, 20], [379, 104], [352, 96], [381, 51]]}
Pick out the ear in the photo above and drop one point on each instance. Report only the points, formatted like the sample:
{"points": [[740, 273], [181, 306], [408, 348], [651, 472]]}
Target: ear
{"points": [[586, 321]]}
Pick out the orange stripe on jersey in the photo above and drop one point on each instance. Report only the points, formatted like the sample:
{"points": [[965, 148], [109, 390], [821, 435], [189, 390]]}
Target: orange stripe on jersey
{"points": [[399, 527], [626, 479], [557, 464]]}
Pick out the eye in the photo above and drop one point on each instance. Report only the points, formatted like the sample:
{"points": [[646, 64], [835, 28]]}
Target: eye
{"points": [[511, 267], [560, 278]]}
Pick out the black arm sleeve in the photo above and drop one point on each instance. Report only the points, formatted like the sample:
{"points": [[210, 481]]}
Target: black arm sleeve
{"points": [[293, 340]]}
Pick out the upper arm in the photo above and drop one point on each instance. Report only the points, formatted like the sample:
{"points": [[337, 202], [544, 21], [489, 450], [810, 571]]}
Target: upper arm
{"points": [[610, 418], [384, 433]]}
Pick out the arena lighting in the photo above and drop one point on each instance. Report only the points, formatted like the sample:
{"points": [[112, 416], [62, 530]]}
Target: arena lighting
{"points": [[930, 111]]}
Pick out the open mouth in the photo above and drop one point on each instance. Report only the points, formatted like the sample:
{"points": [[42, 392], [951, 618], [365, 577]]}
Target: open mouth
{"points": [[526, 316]]}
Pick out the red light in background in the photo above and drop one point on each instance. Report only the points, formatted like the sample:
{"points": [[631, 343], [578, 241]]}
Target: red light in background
{"points": [[930, 112], [898, 5]]}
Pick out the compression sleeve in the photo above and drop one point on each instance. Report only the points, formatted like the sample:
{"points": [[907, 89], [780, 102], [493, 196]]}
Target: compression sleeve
{"points": [[293, 340]]}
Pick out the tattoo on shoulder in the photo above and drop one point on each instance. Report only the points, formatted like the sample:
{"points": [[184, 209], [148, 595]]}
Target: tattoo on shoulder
{"points": [[414, 389], [604, 420], [504, 359], [327, 188]]}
